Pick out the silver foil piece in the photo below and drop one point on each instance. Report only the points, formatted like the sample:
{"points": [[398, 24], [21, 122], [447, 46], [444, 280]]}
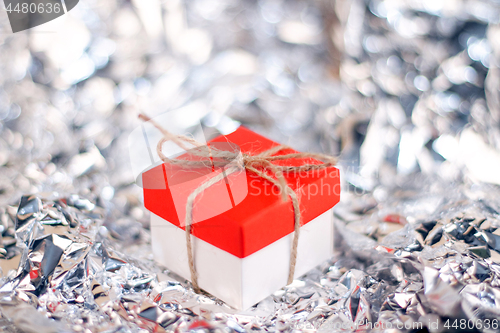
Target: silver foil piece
{"points": [[405, 92]]}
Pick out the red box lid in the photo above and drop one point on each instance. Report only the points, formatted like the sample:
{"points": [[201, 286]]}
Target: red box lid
{"points": [[262, 217]]}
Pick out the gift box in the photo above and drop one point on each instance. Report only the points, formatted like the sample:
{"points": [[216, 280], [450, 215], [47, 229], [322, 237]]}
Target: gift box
{"points": [[242, 229]]}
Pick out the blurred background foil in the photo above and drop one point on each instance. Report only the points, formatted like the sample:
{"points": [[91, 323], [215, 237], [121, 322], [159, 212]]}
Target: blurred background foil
{"points": [[405, 92]]}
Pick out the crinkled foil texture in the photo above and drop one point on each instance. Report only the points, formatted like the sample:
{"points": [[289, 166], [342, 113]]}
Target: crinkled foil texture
{"points": [[425, 261], [406, 92]]}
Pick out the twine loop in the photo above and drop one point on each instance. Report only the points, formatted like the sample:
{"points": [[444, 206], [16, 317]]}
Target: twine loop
{"points": [[258, 164]]}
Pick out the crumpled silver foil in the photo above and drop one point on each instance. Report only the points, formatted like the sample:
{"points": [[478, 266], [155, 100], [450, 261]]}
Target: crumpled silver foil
{"points": [[406, 92], [440, 262]]}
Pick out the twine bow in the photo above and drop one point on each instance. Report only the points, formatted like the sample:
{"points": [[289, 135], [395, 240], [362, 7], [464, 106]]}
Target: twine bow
{"points": [[257, 164]]}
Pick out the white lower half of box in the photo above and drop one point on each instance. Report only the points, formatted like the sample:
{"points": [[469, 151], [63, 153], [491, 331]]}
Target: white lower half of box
{"points": [[242, 282]]}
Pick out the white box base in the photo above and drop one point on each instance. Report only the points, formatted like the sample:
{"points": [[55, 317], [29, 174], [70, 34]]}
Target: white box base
{"points": [[242, 282]]}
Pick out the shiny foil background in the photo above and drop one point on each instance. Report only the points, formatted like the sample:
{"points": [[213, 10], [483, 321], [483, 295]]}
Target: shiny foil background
{"points": [[406, 93]]}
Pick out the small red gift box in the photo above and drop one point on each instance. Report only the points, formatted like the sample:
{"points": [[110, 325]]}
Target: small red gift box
{"points": [[241, 236]]}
